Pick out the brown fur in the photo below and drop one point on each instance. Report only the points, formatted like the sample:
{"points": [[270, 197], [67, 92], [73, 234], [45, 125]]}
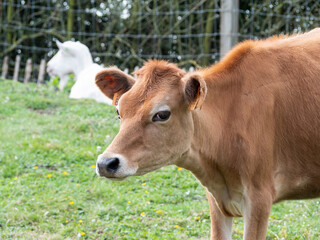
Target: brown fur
{"points": [[254, 137]]}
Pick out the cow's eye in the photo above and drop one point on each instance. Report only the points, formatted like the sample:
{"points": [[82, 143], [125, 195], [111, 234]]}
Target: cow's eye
{"points": [[161, 116]]}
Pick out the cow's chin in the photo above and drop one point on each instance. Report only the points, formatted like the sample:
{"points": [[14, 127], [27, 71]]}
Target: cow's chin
{"points": [[116, 179]]}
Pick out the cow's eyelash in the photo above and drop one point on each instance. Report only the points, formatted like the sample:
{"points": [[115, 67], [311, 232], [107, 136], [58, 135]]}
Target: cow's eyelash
{"points": [[117, 112]]}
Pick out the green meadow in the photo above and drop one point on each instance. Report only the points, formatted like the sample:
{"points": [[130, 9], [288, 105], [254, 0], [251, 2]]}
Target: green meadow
{"points": [[49, 189]]}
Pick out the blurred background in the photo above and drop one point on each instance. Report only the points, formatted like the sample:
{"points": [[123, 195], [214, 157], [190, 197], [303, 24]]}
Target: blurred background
{"points": [[126, 33]]}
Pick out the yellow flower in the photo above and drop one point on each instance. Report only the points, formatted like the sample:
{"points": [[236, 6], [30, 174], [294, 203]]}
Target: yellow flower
{"points": [[49, 175], [146, 191], [159, 212], [129, 202], [179, 169], [143, 214], [77, 184], [143, 184], [198, 217], [82, 233], [35, 167], [93, 166], [71, 203], [176, 226], [80, 221], [65, 173], [15, 178], [67, 221], [148, 202]]}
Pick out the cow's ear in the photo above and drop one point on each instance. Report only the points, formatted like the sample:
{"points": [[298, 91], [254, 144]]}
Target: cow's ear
{"points": [[113, 83], [195, 90]]}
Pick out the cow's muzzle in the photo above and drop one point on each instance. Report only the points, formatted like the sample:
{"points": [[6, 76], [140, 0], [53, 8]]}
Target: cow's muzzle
{"points": [[109, 165], [114, 166]]}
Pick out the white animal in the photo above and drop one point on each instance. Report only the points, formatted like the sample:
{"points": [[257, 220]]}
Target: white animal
{"points": [[75, 57]]}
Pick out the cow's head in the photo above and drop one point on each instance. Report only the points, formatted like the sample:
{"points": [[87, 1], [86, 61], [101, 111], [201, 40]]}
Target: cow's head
{"points": [[155, 113]]}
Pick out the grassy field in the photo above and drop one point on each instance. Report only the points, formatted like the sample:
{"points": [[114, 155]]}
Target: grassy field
{"points": [[49, 189]]}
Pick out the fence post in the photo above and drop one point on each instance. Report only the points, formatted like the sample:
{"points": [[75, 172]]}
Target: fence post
{"points": [[5, 67], [27, 74], [229, 22], [42, 69], [16, 68]]}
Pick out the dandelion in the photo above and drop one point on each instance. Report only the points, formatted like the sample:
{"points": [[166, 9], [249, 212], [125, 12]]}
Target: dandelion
{"points": [[67, 221], [143, 184], [65, 173], [80, 221], [93, 166], [77, 184], [129, 202], [142, 214], [15, 178], [71, 203], [198, 217], [159, 212], [82, 233], [176, 226], [146, 191], [179, 169], [35, 167], [49, 175]]}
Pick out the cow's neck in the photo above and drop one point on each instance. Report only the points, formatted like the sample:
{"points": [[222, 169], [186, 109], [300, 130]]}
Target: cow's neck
{"points": [[201, 157], [204, 156]]}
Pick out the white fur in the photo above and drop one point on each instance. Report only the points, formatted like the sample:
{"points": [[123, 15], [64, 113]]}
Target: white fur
{"points": [[75, 57]]}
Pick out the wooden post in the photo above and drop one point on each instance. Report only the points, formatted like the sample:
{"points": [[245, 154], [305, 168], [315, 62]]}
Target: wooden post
{"points": [[42, 69], [16, 68], [27, 73], [229, 22], [5, 67]]}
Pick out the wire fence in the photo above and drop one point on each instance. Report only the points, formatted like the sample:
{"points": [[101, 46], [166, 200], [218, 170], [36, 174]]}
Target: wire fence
{"points": [[126, 33]]}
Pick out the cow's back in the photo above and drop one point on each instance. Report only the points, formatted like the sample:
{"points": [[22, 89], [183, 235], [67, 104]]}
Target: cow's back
{"points": [[269, 95], [287, 70]]}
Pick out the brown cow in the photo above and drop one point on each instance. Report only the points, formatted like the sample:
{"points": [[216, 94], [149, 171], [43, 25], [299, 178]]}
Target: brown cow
{"points": [[248, 127]]}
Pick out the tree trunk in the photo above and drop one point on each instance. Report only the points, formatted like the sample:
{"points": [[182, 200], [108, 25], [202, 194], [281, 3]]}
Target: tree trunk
{"points": [[9, 17], [70, 19], [208, 31]]}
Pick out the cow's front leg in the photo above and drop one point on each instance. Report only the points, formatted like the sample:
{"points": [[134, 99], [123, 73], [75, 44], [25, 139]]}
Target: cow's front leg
{"points": [[256, 214], [221, 226]]}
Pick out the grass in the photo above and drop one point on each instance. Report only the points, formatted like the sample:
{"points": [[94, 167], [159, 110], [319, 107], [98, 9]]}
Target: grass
{"points": [[49, 190]]}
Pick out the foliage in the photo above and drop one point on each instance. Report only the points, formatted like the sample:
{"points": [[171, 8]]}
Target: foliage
{"points": [[49, 190], [54, 83], [126, 33]]}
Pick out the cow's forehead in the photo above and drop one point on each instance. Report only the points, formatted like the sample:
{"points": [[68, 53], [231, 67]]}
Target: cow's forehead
{"points": [[157, 83], [142, 101]]}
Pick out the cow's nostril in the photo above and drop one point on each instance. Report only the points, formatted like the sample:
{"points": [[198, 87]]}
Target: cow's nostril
{"points": [[113, 165]]}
